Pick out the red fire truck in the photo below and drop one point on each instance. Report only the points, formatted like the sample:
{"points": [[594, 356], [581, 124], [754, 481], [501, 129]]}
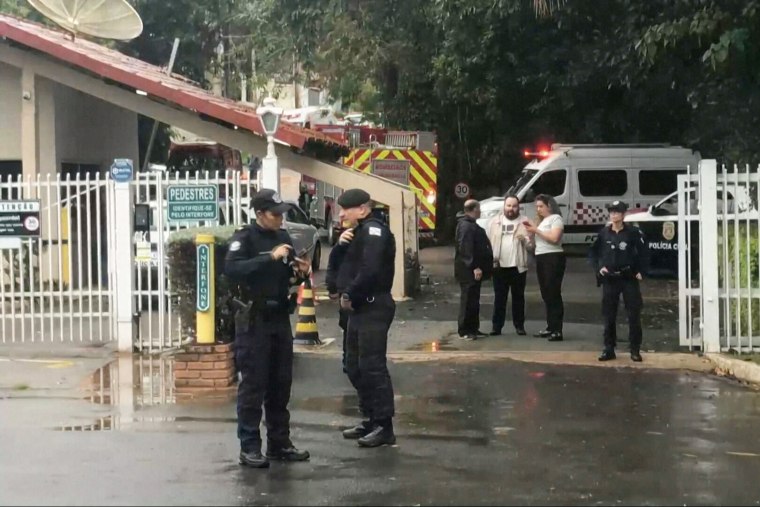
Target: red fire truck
{"points": [[406, 157]]}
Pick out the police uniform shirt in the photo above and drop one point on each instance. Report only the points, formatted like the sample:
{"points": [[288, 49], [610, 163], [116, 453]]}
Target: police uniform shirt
{"points": [[617, 250], [249, 260], [369, 263]]}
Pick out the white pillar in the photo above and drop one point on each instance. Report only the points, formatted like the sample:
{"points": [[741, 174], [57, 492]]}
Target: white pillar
{"points": [[708, 255], [123, 264], [270, 168], [28, 124]]}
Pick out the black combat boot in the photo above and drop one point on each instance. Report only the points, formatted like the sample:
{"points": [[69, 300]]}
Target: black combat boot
{"points": [[607, 354], [382, 434], [253, 459], [358, 431], [635, 356], [286, 453]]}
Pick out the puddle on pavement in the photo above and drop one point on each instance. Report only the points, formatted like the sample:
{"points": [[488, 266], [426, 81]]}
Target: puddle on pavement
{"points": [[441, 345], [129, 385]]}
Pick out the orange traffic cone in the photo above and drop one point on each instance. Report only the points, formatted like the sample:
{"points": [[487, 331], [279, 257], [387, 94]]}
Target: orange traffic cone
{"points": [[306, 327]]}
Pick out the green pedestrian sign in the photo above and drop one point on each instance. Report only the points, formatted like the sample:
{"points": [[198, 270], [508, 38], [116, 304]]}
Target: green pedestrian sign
{"points": [[191, 203], [203, 302]]}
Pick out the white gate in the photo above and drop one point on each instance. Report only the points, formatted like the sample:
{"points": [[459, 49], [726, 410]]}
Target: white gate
{"points": [[56, 285], [719, 258], [158, 322]]}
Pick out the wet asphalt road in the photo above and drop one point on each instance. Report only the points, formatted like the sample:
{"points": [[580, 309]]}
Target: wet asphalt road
{"points": [[485, 432]]}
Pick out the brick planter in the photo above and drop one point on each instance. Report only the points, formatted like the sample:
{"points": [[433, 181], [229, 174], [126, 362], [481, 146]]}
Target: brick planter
{"points": [[205, 370]]}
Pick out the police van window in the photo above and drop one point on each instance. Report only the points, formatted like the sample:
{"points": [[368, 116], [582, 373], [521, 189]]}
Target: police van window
{"points": [[659, 182], [552, 183], [604, 183]]}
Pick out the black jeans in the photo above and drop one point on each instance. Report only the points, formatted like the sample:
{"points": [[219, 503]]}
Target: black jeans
{"points": [[550, 268], [264, 358], [366, 361], [504, 280], [469, 307], [611, 291]]}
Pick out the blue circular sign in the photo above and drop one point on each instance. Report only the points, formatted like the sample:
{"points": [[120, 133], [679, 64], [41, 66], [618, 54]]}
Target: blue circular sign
{"points": [[121, 170]]}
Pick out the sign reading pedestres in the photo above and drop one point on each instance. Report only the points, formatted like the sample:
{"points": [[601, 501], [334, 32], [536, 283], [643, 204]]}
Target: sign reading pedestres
{"points": [[190, 203], [20, 219]]}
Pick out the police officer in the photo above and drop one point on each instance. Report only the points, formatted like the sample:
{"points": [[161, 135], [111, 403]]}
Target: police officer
{"points": [[620, 255], [366, 277], [260, 257]]}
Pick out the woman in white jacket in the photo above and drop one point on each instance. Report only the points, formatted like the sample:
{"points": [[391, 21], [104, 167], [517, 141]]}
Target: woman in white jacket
{"points": [[508, 237]]}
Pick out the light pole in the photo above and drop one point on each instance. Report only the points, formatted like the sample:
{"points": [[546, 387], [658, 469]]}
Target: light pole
{"points": [[270, 169]]}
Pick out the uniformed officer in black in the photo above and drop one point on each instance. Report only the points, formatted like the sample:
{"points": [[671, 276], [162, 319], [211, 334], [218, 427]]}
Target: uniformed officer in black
{"points": [[366, 273], [620, 255], [260, 257]]}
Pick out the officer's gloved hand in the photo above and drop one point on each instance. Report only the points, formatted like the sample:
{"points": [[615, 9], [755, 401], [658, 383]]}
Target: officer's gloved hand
{"points": [[281, 251], [346, 237]]}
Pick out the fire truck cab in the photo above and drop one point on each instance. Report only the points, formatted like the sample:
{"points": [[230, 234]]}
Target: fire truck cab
{"points": [[405, 157]]}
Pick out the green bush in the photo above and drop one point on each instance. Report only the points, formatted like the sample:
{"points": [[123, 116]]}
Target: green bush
{"points": [[182, 274], [747, 250]]}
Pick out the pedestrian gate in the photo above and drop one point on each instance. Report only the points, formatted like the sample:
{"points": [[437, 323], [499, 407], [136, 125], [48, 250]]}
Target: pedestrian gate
{"points": [[719, 258], [57, 283]]}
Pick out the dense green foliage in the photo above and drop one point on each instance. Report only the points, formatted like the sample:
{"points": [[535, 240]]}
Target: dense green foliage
{"points": [[491, 77]]}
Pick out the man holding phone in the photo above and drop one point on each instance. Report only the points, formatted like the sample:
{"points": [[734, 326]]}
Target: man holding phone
{"points": [[508, 238]]}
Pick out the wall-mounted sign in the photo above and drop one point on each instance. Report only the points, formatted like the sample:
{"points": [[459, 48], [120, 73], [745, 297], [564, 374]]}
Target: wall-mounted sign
{"points": [[190, 203], [20, 219]]}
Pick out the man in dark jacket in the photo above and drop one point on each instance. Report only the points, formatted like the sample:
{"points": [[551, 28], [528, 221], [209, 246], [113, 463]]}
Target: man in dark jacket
{"points": [[473, 263]]}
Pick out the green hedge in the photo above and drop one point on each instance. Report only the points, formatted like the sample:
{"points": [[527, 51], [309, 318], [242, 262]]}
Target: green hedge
{"points": [[749, 273], [182, 274]]}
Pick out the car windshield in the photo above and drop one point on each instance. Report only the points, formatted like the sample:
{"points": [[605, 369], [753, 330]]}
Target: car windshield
{"points": [[522, 180]]}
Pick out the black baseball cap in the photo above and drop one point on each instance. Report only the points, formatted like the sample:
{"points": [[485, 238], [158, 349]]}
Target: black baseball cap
{"points": [[353, 197], [618, 206], [269, 200]]}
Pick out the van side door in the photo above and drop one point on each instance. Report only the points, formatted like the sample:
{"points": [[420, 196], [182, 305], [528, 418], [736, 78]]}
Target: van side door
{"points": [[595, 189]]}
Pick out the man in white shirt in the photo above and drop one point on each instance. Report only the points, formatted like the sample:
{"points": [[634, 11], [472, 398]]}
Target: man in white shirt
{"points": [[508, 238]]}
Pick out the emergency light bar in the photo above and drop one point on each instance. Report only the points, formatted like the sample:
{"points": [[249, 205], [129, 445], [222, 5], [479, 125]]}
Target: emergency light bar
{"points": [[536, 154]]}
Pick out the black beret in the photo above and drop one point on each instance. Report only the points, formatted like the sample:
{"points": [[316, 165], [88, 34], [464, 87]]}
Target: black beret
{"points": [[353, 197], [618, 206]]}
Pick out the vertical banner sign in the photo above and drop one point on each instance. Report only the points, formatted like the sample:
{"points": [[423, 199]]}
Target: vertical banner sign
{"points": [[203, 302]]}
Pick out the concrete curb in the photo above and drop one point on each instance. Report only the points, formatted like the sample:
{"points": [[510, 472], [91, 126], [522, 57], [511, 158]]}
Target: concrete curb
{"points": [[744, 371], [655, 360]]}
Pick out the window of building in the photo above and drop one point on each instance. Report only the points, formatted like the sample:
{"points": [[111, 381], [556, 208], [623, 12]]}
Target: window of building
{"points": [[602, 183]]}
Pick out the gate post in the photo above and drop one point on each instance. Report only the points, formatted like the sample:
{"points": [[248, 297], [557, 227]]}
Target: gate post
{"points": [[122, 253], [708, 255]]}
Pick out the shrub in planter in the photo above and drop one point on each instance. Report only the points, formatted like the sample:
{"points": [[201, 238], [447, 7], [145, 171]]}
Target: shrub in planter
{"points": [[182, 261]]}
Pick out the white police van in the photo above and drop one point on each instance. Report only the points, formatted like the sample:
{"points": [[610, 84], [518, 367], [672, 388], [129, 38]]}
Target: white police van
{"points": [[583, 178]]}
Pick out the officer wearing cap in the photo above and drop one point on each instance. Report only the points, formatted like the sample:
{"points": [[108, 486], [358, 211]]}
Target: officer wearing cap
{"points": [[620, 255], [365, 277], [260, 257]]}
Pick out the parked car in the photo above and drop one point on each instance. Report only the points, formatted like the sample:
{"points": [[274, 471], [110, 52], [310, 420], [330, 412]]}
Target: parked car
{"points": [[659, 223]]}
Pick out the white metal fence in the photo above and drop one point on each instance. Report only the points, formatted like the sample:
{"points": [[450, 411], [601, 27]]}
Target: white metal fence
{"points": [[60, 286], [719, 258], [55, 287], [158, 323]]}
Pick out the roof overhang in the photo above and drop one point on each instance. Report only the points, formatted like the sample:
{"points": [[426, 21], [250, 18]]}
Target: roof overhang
{"points": [[116, 68]]}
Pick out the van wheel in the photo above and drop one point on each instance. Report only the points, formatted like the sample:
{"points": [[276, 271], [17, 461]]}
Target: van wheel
{"points": [[316, 258]]}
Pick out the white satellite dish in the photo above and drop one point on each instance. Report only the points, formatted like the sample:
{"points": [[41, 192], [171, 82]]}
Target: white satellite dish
{"points": [[108, 19]]}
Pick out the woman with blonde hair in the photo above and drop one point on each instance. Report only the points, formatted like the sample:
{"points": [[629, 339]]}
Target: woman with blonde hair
{"points": [[546, 237]]}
